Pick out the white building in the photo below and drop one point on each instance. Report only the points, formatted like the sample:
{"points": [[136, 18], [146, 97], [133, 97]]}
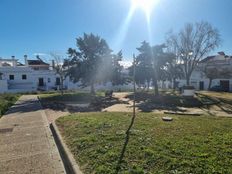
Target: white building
{"points": [[220, 62], [37, 75], [32, 76]]}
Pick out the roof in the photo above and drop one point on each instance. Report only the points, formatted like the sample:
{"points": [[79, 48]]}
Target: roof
{"points": [[211, 57], [207, 59], [37, 62], [19, 64]]}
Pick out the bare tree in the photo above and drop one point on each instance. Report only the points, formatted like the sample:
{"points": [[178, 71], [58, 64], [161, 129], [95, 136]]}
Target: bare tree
{"points": [[192, 43], [59, 67]]}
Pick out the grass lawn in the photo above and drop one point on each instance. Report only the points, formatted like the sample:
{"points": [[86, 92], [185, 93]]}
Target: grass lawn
{"points": [[199, 145], [77, 97], [6, 101]]}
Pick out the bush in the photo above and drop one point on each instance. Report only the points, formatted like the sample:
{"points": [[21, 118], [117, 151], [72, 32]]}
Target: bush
{"points": [[6, 101]]}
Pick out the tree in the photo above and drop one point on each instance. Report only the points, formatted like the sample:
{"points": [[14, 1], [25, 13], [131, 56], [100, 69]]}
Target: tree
{"points": [[60, 68], [211, 73], [174, 69], [192, 43], [141, 76], [116, 77], [215, 73], [93, 62], [144, 69], [151, 64], [160, 61]]}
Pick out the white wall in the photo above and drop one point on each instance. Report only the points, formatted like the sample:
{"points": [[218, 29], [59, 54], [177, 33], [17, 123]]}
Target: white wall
{"points": [[3, 86]]}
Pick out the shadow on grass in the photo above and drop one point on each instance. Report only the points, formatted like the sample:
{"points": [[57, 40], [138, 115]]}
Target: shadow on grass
{"points": [[165, 101], [224, 104], [72, 102]]}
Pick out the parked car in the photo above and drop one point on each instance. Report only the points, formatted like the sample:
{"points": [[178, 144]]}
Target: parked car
{"points": [[217, 88]]}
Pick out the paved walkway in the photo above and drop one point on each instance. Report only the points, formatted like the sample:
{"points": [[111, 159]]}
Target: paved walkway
{"points": [[26, 143]]}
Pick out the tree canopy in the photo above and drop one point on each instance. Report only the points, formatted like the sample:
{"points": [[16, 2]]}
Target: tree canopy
{"points": [[93, 62], [151, 64], [192, 44]]}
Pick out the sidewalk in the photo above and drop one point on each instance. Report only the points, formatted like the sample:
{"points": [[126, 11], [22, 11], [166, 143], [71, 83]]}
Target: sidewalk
{"points": [[26, 143]]}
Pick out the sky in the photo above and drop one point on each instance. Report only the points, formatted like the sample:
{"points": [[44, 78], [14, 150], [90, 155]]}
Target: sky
{"points": [[44, 26]]}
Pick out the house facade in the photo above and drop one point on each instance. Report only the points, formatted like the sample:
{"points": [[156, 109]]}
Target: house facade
{"points": [[35, 74], [221, 69], [32, 76]]}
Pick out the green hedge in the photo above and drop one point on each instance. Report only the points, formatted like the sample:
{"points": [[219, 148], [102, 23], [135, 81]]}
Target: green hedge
{"points": [[6, 101]]}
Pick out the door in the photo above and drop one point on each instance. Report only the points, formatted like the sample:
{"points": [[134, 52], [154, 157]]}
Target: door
{"points": [[57, 81], [201, 85], [41, 82], [225, 84]]}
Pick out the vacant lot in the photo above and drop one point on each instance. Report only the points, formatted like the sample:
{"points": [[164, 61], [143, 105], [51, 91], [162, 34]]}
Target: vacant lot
{"points": [[6, 101], [198, 145]]}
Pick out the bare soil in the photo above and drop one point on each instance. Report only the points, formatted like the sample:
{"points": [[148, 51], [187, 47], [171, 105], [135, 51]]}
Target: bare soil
{"points": [[220, 109], [122, 103]]}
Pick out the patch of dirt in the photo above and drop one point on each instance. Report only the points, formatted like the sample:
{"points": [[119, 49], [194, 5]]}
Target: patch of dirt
{"points": [[122, 103], [221, 109]]}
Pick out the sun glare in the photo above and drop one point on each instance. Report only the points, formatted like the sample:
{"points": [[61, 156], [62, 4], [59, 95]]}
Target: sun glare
{"points": [[146, 5]]}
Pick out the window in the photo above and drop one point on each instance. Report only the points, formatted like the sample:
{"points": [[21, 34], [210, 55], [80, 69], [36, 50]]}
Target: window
{"points": [[11, 77], [49, 80], [24, 76]]}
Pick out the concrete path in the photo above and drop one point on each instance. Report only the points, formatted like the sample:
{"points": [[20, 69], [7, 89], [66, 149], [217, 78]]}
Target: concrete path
{"points": [[26, 143]]}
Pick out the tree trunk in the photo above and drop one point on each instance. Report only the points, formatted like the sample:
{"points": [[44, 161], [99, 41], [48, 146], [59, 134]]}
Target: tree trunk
{"points": [[92, 88], [174, 84], [62, 86], [156, 87], [210, 82], [148, 86], [187, 80]]}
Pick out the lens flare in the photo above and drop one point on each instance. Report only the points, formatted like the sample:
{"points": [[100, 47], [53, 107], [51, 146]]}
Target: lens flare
{"points": [[146, 5]]}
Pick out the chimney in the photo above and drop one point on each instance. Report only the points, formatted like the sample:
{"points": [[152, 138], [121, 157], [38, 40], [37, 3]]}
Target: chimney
{"points": [[14, 62], [25, 59]]}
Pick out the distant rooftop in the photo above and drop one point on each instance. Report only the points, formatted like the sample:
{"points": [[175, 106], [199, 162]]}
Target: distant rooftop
{"points": [[212, 57], [37, 62]]}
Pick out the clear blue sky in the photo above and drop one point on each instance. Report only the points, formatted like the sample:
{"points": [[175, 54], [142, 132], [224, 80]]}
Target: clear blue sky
{"points": [[43, 26]]}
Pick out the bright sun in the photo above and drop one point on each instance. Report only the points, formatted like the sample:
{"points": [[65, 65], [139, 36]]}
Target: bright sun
{"points": [[145, 5]]}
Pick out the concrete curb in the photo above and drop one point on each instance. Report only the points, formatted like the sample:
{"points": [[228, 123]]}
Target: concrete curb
{"points": [[69, 162]]}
